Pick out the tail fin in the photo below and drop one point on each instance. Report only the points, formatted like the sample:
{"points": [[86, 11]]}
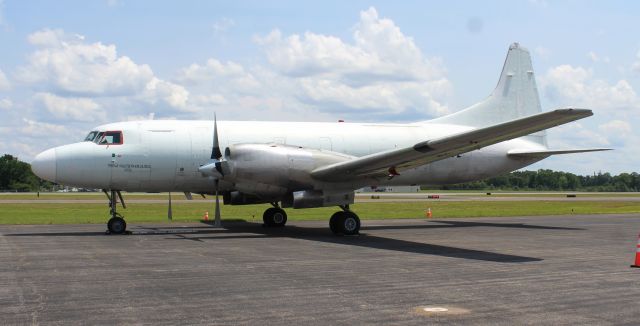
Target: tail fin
{"points": [[515, 96]]}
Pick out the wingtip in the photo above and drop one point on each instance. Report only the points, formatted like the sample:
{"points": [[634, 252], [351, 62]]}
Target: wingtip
{"points": [[575, 111]]}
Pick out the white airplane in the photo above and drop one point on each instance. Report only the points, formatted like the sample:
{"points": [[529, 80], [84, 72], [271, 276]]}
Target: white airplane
{"points": [[313, 164]]}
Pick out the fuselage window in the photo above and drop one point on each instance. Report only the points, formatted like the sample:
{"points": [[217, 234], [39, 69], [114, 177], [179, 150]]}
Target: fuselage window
{"points": [[91, 136], [109, 138]]}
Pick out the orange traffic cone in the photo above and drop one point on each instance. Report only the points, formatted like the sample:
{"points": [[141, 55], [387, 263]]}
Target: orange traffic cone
{"points": [[637, 263], [206, 216], [429, 214]]}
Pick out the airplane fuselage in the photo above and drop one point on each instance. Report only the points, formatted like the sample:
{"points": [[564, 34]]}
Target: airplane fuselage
{"points": [[164, 155]]}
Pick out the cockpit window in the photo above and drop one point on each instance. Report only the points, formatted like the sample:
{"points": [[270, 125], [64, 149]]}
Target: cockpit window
{"points": [[91, 136], [109, 138]]}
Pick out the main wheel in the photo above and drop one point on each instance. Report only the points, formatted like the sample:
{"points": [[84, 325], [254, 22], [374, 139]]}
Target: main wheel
{"points": [[347, 223], [117, 225], [334, 222], [350, 223], [274, 216]]}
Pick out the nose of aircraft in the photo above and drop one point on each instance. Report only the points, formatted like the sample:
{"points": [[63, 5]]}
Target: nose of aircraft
{"points": [[44, 165]]}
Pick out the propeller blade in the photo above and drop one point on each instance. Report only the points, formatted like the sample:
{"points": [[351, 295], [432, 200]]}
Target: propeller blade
{"points": [[217, 222], [215, 151], [170, 211]]}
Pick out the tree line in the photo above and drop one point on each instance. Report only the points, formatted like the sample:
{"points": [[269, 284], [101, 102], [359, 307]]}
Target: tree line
{"points": [[550, 180], [16, 175]]}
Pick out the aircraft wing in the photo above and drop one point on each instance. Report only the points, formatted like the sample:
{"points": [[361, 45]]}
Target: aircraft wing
{"points": [[546, 153], [393, 162]]}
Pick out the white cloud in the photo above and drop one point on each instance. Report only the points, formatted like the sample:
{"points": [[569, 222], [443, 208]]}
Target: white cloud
{"points": [[616, 127], [78, 109], [219, 73], [382, 69], [617, 131], [615, 105], [172, 94], [35, 128], [66, 65], [576, 86], [5, 104], [380, 51], [4, 82]]}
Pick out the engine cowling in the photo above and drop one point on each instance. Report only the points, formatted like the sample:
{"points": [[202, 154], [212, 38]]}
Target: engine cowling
{"points": [[271, 171], [317, 198]]}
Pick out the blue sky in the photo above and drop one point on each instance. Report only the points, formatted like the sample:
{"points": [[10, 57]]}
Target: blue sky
{"points": [[67, 66]]}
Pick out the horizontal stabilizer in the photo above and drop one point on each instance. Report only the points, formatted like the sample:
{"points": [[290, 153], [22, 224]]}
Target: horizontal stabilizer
{"points": [[546, 153], [396, 161]]}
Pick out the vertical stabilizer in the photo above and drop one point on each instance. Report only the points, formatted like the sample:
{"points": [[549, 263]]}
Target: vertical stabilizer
{"points": [[515, 96]]}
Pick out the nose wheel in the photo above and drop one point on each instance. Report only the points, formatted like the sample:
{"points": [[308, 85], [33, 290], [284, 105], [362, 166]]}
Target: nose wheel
{"points": [[345, 223], [274, 217], [116, 224]]}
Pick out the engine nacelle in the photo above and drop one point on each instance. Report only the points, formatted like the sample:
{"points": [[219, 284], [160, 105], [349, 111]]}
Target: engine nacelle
{"points": [[239, 198], [273, 170], [317, 198]]}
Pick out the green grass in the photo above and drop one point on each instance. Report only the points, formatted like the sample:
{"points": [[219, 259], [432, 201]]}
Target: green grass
{"points": [[193, 211]]}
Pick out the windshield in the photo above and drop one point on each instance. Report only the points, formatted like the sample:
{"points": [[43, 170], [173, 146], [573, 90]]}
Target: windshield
{"points": [[108, 138], [91, 136]]}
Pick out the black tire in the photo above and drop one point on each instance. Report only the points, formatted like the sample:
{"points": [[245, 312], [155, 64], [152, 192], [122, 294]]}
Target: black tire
{"points": [[334, 222], [275, 217], [117, 225], [350, 223]]}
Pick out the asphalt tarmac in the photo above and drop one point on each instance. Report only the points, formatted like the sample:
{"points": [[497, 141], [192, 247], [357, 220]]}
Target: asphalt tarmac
{"points": [[506, 271]]}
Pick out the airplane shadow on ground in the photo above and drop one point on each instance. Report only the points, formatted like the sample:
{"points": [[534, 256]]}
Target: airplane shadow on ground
{"points": [[249, 230]]}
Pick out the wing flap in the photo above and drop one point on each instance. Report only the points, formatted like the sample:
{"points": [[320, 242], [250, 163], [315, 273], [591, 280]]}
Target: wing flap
{"points": [[394, 161], [547, 153]]}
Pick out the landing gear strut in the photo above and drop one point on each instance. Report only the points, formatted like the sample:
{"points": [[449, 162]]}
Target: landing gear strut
{"points": [[345, 222], [116, 224], [274, 216]]}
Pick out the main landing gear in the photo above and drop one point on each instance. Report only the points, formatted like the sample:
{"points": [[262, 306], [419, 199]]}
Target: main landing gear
{"points": [[345, 222], [274, 216], [116, 224]]}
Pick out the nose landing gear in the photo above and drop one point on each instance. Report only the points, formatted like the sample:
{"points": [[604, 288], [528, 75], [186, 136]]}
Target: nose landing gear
{"points": [[116, 224]]}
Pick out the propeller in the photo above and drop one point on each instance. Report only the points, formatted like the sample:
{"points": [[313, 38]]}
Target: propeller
{"points": [[215, 168]]}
